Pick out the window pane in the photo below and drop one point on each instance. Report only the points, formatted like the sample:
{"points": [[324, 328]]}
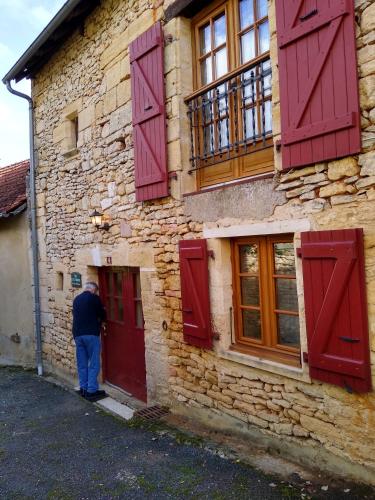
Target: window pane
{"points": [[138, 314], [267, 117], [118, 283], [267, 78], [120, 310], [109, 278], [206, 71], [208, 142], [246, 13], [247, 46], [288, 330], [220, 31], [222, 134], [286, 294], [111, 308], [249, 87], [221, 62], [264, 38], [251, 123], [251, 324], [261, 8], [284, 258], [205, 39], [250, 291], [222, 103], [248, 259]]}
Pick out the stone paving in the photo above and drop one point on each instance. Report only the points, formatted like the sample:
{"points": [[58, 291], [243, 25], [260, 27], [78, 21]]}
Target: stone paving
{"points": [[55, 445]]}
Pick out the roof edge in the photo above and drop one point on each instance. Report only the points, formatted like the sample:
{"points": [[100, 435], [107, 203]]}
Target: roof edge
{"points": [[19, 67]]}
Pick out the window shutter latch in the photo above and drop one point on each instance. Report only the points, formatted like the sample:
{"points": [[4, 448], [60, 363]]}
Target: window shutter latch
{"points": [[308, 15], [299, 252], [305, 357], [211, 254]]}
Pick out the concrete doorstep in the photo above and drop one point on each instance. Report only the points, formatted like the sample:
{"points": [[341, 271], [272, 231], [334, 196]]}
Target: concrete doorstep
{"points": [[116, 408]]}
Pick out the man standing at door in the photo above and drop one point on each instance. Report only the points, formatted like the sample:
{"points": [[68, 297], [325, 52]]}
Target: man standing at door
{"points": [[88, 317]]}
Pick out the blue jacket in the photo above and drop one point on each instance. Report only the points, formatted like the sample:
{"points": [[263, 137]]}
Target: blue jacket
{"points": [[88, 314]]}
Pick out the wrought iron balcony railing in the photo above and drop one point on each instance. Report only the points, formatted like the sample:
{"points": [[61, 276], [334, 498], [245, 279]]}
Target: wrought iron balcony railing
{"points": [[232, 116]]}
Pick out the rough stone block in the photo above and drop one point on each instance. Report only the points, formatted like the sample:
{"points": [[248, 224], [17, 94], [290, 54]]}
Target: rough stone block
{"points": [[346, 167]]}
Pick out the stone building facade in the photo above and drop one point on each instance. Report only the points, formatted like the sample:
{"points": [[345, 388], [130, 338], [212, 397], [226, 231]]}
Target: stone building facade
{"points": [[84, 141]]}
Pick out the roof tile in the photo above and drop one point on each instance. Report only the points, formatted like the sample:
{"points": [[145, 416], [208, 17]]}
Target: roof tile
{"points": [[13, 186]]}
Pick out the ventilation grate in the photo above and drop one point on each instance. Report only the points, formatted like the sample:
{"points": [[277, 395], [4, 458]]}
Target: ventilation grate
{"points": [[152, 412]]}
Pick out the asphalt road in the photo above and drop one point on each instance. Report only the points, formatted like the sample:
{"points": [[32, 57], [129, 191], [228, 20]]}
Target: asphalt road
{"points": [[55, 445]]}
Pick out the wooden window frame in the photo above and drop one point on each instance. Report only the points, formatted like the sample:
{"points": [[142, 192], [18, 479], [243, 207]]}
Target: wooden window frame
{"points": [[267, 347], [260, 159]]}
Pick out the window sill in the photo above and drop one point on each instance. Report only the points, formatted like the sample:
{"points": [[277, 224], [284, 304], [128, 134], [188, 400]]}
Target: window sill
{"points": [[228, 184], [70, 153], [296, 373]]}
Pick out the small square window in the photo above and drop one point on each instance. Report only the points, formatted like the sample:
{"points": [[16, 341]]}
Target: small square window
{"points": [[59, 282]]}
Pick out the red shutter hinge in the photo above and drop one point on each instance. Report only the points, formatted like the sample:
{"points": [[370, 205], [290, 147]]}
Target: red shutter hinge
{"points": [[172, 175], [305, 357], [278, 145], [168, 39], [211, 254], [299, 252]]}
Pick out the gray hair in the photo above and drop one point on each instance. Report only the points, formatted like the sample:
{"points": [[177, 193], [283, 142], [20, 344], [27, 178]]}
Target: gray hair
{"points": [[91, 286]]}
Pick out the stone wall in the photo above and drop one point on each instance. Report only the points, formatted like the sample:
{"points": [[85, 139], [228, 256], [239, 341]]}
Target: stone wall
{"points": [[90, 77]]}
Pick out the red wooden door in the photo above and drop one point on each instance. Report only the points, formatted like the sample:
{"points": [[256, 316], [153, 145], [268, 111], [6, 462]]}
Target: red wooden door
{"points": [[123, 342]]}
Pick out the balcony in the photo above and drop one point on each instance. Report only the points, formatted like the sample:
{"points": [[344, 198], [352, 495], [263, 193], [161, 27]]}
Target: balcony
{"points": [[229, 120]]}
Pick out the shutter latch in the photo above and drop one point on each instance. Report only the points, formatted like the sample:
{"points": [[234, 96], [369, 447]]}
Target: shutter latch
{"points": [[299, 252], [349, 339], [308, 15], [305, 357]]}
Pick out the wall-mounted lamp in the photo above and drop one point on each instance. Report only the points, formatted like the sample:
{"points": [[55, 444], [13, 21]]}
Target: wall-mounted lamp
{"points": [[97, 221]]}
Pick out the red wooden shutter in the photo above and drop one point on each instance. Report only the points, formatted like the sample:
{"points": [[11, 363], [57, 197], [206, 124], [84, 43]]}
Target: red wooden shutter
{"points": [[194, 291], [336, 308], [320, 117], [149, 116]]}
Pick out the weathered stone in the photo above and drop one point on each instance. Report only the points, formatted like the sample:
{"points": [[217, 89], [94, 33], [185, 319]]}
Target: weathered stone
{"points": [[300, 431], [252, 419], [367, 162], [346, 167], [365, 182], [368, 19], [296, 174], [286, 429], [289, 185], [341, 199], [334, 189], [313, 179]]}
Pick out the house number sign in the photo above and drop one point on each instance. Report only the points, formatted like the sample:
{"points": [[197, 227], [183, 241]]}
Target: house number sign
{"points": [[76, 280]]}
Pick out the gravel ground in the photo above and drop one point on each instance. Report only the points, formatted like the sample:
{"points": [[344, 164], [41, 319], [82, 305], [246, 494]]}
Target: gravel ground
{"points": [[55, 445]]}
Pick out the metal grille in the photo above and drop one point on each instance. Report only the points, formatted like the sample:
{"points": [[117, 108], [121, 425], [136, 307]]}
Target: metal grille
{"points": [[231, 117], [152, 413]]}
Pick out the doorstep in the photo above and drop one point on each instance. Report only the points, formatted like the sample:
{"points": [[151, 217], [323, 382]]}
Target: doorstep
{"points": [[118, 409], [123, 397]]}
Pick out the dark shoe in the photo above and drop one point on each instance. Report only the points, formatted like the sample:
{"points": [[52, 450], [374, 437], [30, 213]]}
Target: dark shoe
{"points": [[81, 392], [95, 396]]}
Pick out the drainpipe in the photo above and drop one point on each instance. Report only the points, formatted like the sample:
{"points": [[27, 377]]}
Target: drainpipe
{"points": [[34, 234]]}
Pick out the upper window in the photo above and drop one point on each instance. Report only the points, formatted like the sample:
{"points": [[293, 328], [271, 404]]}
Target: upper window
{"points": [[230, 110], [265, 298]]}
